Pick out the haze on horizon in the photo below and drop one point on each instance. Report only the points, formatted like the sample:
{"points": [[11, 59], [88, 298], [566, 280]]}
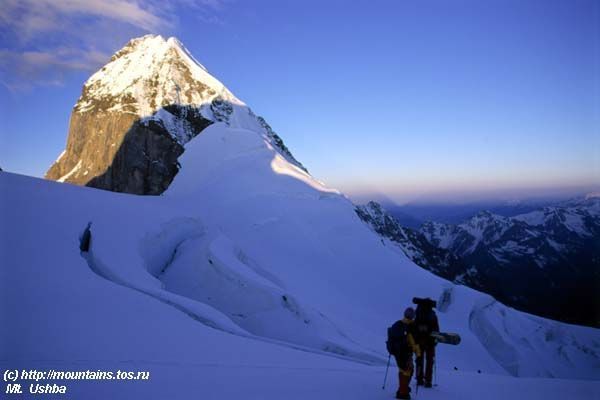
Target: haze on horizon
{"points": [[427, 101]]}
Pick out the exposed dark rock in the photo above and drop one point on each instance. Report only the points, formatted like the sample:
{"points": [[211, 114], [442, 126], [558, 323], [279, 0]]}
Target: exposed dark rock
{"points": [[119, 152], [221, 110], [277, 141]]}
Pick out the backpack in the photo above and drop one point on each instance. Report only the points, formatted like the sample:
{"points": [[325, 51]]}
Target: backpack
{"points": [[424, 321], [397, 341]]}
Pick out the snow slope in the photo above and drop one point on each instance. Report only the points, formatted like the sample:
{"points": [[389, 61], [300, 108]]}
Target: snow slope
{"points": [[246, 260]]}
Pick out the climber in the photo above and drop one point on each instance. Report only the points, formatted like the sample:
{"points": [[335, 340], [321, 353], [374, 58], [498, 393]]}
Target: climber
{"points": [[426, 322], [401, 344]]}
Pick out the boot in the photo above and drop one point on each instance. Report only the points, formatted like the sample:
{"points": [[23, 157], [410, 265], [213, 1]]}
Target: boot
{"points": [[403, 391], [404, 397]]}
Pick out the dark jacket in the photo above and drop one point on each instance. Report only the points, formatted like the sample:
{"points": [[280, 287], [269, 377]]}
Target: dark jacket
{"points": [[404, 348]]}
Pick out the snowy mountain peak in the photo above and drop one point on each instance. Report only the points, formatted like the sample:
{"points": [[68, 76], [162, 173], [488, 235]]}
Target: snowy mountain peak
{"points": [[137, 113], [486, 225], [486, 216], [148, 73]]}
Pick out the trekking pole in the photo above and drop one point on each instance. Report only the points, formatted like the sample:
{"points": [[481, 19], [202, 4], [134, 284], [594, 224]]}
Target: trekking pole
{"points": [[416, 388], [435, 365], [386, 371]]}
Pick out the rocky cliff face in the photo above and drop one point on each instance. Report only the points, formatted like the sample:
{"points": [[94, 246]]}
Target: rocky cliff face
{"points": [[119, 152], [136, 114]]}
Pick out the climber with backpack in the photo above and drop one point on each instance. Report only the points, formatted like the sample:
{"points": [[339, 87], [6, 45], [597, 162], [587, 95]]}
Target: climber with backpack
{"points": [[426, 322], [401, 344]]}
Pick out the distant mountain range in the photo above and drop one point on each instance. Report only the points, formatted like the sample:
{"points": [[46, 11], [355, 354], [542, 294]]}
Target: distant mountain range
{"points": [[413, 215], [545, 261]]}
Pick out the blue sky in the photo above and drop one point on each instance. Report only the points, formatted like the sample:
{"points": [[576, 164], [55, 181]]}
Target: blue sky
{"points": [[412, 99]]}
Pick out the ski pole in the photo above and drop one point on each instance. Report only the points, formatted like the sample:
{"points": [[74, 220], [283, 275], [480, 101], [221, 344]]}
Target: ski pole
{"points": [[416, 388], [386, 371]]}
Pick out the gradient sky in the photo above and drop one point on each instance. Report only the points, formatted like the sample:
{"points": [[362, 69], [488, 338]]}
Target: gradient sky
{"points": [[413, 99]]}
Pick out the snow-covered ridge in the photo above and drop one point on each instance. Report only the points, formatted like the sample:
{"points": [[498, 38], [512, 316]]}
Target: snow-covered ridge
{"points": [[573, 214]]}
